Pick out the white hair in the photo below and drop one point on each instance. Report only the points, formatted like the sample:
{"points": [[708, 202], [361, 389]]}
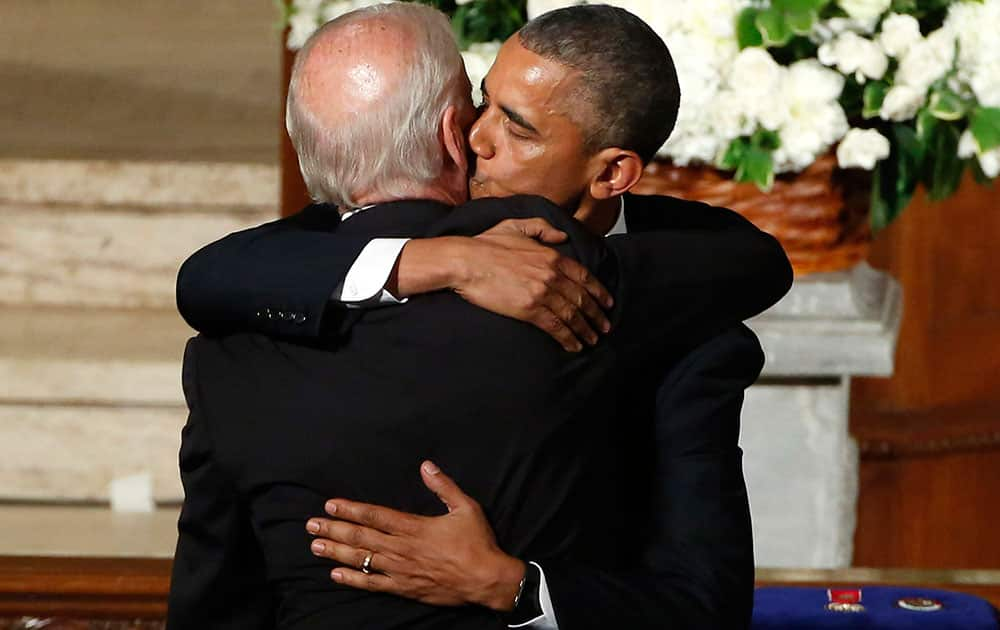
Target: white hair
{"points": [[393, 148]]}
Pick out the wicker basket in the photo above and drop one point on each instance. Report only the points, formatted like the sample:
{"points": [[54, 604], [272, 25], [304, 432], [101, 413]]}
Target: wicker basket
{"points": [[820, 215]]}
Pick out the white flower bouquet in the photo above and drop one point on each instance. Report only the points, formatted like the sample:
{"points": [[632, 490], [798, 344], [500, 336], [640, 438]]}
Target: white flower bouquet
{"points": [[909, 89]]}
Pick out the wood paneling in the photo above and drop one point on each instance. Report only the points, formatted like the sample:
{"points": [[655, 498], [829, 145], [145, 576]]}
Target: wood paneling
{"points": [[930, 435]]}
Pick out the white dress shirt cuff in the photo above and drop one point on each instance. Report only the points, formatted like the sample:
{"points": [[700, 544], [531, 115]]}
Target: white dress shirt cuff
{"points": [[547, 620], [364, 284]]}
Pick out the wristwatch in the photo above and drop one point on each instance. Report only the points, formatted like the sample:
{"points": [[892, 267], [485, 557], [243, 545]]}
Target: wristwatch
{"points": [[527, 606]]}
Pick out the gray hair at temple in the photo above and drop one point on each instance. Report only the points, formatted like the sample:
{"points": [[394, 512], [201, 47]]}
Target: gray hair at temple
{"points": [[394, 147], [628, 79]]}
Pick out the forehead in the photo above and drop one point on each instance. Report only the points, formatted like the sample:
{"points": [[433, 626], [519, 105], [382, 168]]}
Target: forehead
{"points": [[523, 79]]}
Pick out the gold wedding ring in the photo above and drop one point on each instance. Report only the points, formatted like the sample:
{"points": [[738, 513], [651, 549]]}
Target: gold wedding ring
{"points": [[366, 566]]}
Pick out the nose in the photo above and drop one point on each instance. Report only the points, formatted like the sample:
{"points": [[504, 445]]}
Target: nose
{"points": [[479, 138]]}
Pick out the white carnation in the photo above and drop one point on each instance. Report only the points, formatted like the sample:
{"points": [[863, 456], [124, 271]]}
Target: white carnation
{"points": [[479, 59], [902, 102], [853, 54], [899, 32], [990, 162], [538, 7], [927, 60], [862, 148], [865, 9]]}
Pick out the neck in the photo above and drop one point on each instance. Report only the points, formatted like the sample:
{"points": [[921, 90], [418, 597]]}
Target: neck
{"points": [[598, 216], [435, 191]]}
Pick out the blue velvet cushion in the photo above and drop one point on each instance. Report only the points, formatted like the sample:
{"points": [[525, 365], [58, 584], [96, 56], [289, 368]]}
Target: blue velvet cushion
{"points": [[788, 608]]}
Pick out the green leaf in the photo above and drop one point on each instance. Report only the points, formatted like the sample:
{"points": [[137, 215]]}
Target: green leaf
{"points": [[874, 95], [942, 172], [757, 167], [895, 178], [926, 124], [985, 126], [947, 105], [772, 26], [747, 33], [801, 23], [734, 154], [766, 139]]}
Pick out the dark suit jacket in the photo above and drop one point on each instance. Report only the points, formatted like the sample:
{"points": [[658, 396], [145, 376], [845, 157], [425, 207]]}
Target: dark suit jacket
{"points": [[674, 600]]}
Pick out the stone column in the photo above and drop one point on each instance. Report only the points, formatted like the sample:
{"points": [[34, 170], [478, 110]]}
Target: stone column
{"points": [[800, 462]]}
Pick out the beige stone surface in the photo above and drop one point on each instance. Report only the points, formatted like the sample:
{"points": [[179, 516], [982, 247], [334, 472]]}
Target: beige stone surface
{"points": [[124, 257], [89, 531], [71, 453], [140, 79], [91, 356], [212, 185]]}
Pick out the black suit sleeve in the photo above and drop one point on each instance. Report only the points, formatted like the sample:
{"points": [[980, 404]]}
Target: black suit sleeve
{"points": [[218, 579], [695, 569], [276, 279], [691, 270]]}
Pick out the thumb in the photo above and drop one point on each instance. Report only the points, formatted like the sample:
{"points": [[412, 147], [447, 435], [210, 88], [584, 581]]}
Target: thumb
{"points": [[443, 486], [541, 230]]}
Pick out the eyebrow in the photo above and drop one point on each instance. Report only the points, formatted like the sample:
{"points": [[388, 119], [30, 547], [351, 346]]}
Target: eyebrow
{"points": [[516, 118]]}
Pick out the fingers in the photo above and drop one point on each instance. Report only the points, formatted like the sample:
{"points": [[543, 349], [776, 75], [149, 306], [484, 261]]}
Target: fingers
{"points": [[373, 516], [541, 230], [354, 558], [579, 310], [550, 323], [443, 486], [535, 228], [355, 536], [570, 315], [582, 276], [373, 582]]}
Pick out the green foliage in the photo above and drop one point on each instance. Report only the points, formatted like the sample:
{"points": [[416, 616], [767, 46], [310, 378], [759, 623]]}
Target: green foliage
{"points": [[752, 158], [895, 178], [486, 20], [874, 95], [776, 25], [985, 126]]}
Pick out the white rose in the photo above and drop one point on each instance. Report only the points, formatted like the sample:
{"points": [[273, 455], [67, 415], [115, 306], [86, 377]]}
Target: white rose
{"points": [[853, 54], [865, 9], [927, 60], [461, 2], [479, 59], [538, 7], [862, 148], [902, 102], [899, 32]]}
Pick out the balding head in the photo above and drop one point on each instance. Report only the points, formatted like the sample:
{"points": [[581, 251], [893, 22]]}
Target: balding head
{"points": [[366, 101]]}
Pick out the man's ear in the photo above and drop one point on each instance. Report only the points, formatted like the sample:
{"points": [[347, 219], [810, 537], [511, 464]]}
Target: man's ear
{"points": [[454, 139], [620, 170]]}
